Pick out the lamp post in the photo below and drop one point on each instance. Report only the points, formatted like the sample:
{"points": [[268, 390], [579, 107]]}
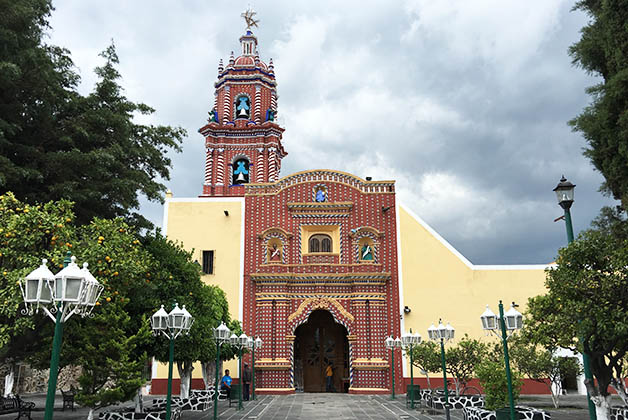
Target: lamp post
{"points": [[408, 341], [508, 323], [391, 344], [71, 291], [257, 344], [442, 333], [240, 343], [171, 325], [564, 194], [221, 336]]}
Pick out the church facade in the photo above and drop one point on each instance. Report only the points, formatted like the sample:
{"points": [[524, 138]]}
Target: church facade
{"points": [[322, 265]]}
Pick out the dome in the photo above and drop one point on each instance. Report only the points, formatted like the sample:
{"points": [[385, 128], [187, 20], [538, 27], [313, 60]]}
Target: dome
{"points": [[248, 61]]}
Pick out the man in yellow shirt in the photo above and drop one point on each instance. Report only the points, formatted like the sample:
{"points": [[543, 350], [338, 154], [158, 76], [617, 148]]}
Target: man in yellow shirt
{"points": [[329, 373]]}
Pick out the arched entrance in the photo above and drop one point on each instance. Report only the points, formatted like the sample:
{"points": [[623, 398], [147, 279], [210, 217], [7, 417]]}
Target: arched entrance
{"points": [[320, 341]]}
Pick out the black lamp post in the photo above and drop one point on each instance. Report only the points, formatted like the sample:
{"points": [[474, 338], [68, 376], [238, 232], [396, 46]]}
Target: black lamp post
{"points": [[564, 194]]}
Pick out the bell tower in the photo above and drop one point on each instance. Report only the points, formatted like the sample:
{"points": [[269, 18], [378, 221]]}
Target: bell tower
{"points": [[242, 138]]}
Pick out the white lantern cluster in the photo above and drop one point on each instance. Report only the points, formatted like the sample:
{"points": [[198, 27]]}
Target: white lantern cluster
{"points": [[392, 343], [512, 319], [243, 341], [408, 340], [173, 324], [441, 332], [221, 334], [71, 291]]}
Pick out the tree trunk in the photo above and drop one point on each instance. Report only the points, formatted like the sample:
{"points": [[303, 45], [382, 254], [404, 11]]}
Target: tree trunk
{"points": [[602, 407], [8, 381], [185, 373], [139, 401], [427, 376], [618, 385], [208, 370], [90, 415]]}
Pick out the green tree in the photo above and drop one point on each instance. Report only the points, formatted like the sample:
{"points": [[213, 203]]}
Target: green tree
{"points": [[178, 277], [426, 356], [55, 143], [603, 51], [137, 273], [541, 364], [584, 310], [462, 359], [492, 376]]}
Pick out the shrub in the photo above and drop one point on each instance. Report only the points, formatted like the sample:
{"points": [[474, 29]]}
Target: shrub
{"points": [[492, 376]]}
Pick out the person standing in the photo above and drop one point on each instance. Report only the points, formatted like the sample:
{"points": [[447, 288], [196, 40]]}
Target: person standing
{"points": [[246, 381], [329, 374]]}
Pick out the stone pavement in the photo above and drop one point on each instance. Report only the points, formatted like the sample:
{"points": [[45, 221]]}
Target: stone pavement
{"points": [[324, 406]]}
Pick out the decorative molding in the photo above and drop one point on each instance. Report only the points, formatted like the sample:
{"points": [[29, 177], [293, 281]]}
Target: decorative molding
{"points": [[314, 303]]}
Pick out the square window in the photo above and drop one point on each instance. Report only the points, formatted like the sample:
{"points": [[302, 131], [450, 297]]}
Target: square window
{"points": [[208, 262]]}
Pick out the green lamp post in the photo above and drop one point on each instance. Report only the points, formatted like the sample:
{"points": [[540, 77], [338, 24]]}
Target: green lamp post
{"points": [[257, 344], [171, 325], [442, 333], [408, 341], [564, 194], [71, 291], [221, 336], [392, 344], [508, 323], [240, 343]]}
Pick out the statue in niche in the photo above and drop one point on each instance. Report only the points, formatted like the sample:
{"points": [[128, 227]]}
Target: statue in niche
{"points": [[366, 253], [270, 115], [275, 253], [213, 116], [321, 195], [243, 107]]}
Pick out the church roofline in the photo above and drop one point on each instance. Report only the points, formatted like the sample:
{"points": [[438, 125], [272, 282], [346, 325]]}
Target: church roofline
{"points": [[321, 175], [465, 261]]}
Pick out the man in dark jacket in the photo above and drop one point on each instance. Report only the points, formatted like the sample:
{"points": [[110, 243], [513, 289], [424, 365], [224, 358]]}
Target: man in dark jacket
{"points": [[246, 380]]}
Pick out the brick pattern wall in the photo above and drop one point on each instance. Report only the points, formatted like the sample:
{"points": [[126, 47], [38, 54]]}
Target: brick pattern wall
{"points": [[363, 296]]}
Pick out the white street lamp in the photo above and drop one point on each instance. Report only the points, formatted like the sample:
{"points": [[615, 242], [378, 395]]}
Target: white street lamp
{"points": [[172, 325], [72, 290], [508, 323], [408, 341], [257, 345], [442, 333], [221, 336]]}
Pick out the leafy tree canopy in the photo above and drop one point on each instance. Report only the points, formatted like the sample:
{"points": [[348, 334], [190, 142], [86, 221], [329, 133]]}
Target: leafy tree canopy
{"points": [[56, 143], [584, 308], [603, 51], [138, 273]]}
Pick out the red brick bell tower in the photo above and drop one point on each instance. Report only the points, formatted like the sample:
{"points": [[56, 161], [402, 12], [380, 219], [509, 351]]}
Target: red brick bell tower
{"points": [[242, 138]]}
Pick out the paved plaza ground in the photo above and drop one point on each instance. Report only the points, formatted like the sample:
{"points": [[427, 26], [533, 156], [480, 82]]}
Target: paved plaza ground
{"points": [[326, 406]]}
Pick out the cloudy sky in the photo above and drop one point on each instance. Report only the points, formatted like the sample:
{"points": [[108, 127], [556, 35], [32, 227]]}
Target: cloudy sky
{"points": [[464, 103]]}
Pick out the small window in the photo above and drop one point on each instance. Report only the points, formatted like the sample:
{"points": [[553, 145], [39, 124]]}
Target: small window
{"points": [[208, 262], [320, 243]]}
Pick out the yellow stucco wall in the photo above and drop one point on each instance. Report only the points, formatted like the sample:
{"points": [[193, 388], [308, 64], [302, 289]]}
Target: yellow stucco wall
{"points": [[438, 282], [201, 224]]}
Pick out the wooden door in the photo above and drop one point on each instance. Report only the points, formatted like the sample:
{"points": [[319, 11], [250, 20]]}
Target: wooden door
{"points": [[321, 341]]}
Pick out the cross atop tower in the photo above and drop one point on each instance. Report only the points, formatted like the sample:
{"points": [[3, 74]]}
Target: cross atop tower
{"points": [[248, 18]]}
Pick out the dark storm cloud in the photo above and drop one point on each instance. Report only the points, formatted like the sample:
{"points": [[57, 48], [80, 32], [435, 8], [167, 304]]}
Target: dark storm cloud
{"points": [[465, 104]]}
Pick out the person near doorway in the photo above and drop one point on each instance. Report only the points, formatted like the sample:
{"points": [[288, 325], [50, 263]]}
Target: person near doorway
{"points": [[329, 374], [225, 383], [246, 381]]}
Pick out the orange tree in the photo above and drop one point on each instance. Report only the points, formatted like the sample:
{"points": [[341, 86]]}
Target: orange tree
{"points": [[137, 273]]}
